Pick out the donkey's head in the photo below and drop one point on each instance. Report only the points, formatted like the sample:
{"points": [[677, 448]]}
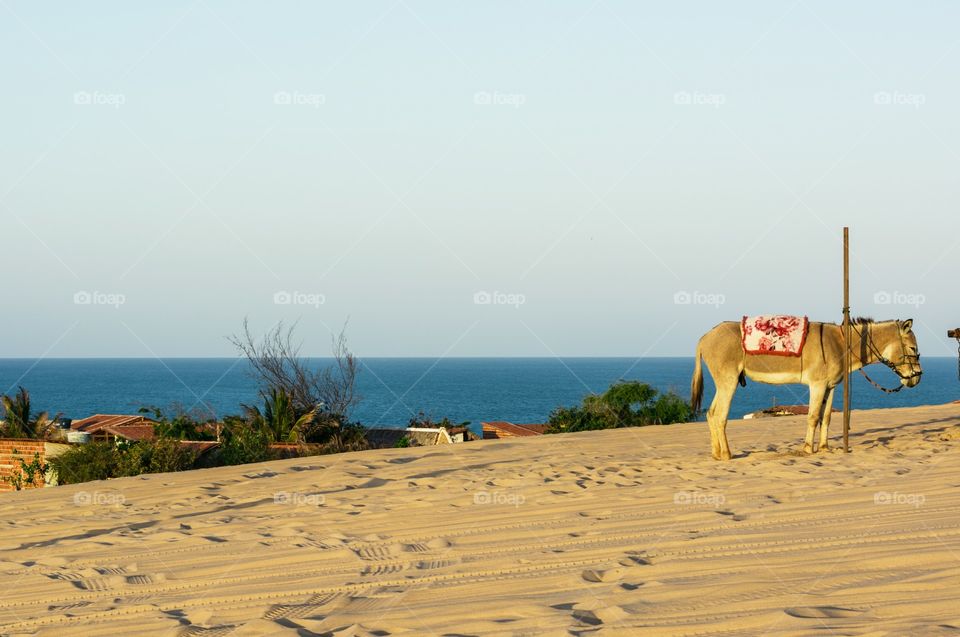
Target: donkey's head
{"points": [[902, 355]]}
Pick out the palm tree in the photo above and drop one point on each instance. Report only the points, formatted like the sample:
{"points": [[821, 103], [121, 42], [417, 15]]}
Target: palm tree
{"points": [[18, 421], [280, 418]]}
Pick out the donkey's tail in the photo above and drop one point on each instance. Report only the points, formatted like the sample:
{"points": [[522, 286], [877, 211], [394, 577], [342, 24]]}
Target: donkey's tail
{"points": [[696, 385]]}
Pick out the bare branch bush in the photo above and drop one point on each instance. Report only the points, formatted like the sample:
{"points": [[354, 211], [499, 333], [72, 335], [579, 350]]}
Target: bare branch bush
{"points": [[276, 363]]}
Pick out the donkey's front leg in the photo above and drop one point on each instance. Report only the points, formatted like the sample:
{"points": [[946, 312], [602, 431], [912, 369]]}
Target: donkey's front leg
{"points": [[825, 421], [813, 415]]}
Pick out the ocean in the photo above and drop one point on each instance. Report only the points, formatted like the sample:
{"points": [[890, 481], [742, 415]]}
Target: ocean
{"points": [[394, 389]]}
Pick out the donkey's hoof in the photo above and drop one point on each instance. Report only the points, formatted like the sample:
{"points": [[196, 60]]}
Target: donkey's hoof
{"points": [[807, 448], [824, 448]]}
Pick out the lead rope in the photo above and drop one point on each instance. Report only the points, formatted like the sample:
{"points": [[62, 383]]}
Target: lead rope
{"points": [[889, 364], [881, 387]]}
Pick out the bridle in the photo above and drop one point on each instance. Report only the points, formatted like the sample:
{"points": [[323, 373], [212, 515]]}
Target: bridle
{"points": [[913, 360]]}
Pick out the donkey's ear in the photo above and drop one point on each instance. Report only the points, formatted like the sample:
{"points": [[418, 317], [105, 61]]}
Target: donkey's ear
{"points": [[906, 326]]}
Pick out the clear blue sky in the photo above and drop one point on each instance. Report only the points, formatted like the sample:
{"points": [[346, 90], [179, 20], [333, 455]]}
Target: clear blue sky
{"points": [[591, 162]]}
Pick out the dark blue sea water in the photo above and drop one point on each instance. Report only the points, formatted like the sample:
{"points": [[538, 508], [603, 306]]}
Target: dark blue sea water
{"points": [[393, 389]]}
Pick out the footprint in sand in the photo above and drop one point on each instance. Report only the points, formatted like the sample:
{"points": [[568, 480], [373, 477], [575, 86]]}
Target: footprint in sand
{"points": [[736, 517], [595, 612], [823, 612]]}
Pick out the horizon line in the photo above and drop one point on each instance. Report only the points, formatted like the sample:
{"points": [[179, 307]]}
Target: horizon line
{"points": [[418, 356]]}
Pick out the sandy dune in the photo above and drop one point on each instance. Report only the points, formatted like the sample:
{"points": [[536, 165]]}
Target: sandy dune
{"points": [[631, 532]]}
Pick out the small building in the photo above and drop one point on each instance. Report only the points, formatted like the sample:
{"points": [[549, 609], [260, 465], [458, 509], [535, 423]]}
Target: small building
{"points": [[497, 429], [389, 437], [111, 427], [461, 433], [782, 410]]}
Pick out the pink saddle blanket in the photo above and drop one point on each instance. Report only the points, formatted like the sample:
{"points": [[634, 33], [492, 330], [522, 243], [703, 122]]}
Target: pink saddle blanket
{"points": [[774, 334]]}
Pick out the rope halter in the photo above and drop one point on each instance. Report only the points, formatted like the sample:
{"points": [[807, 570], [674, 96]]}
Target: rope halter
{"points": [[913, 360]]}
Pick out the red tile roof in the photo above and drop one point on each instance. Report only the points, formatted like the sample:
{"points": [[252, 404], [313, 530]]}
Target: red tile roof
{"points": [[130, 432], [493, 428], [99, 421], [122, 426]]}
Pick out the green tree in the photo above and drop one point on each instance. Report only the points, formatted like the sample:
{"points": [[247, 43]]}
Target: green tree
{"points": [[624, 404], [182, 426], [20, 422]]}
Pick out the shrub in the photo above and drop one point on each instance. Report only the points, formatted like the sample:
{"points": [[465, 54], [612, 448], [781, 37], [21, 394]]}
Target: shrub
{"points": [[83, 463], [244, 443], [103, 460], [163, 455], [334, 436], [30, 474], [428, 422], [169, 455], [624, 404]]}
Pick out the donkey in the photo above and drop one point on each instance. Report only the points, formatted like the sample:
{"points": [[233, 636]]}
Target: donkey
{"points": [[820, 367]]}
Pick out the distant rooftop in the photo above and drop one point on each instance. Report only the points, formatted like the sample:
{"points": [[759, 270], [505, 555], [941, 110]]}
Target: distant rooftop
{"points": [[502, 429], [129, 427]]}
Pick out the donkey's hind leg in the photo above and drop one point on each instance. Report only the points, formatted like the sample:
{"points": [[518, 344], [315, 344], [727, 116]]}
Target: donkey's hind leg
{"points": [[714, 437], [717, 416], [826, 410]]}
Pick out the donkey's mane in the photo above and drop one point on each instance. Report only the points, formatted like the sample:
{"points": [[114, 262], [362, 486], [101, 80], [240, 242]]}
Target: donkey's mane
{"points": [[862, 320]]}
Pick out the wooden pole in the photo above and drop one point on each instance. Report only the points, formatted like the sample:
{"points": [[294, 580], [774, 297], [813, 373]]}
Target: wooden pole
{"points": [[846, 339]]}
